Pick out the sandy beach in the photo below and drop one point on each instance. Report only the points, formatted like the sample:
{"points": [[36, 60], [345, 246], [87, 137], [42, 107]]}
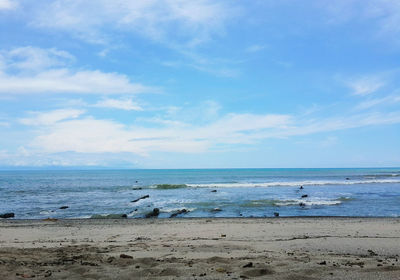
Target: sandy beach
{"points": [[275, 248]]}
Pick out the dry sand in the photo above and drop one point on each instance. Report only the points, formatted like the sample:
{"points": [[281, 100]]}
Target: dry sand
{"points": [[276, 248]]}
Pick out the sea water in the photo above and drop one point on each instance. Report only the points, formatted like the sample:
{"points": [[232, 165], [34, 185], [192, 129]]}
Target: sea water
{"points": [[202, 192]]}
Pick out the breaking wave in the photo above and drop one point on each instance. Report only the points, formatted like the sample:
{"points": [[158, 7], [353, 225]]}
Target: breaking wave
{"points": [[296, 183]]}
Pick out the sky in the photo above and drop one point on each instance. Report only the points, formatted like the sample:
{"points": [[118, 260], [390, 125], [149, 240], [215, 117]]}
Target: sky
{"points": [[199, 84]]}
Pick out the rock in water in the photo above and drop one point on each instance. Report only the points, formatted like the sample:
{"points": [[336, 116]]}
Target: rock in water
{"points": [[143, 197], [154, 213], [183, 211], [124, 256], [64, 207], [214, 191], [250, 264], [7, 215]]}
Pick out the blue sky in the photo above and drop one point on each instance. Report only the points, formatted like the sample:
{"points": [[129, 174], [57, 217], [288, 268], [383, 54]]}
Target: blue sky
{"points": [[199, 84]]}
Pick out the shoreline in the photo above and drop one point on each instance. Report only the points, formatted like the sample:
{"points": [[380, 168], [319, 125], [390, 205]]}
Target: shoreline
{"points": [[153, 219], [201, 248]]}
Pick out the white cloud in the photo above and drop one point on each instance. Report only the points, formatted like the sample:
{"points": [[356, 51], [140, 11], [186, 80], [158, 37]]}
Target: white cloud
{"points": [[62, 132], [8, 4], [67, 81], [52, 117], [179, 25], [365, 85], [30, 70], [122, 104], [166, 21], [387, 100], [35, 59], [90, 135], [384, 15]]}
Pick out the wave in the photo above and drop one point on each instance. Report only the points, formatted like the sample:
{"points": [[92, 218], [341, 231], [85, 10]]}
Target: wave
{"points": [[170, 186], [294, 183], [308, 202], [345, 198], [292, 202], [109, 216], [261, 203]]}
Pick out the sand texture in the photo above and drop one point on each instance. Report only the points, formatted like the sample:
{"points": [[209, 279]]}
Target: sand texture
{"points": [[275, 248]]}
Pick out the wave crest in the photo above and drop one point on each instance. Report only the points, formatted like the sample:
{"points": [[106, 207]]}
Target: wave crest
{"points": [[295, 183]]}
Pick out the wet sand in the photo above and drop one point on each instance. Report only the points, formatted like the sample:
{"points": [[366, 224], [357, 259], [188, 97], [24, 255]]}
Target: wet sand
{"points": [[269, 248]]}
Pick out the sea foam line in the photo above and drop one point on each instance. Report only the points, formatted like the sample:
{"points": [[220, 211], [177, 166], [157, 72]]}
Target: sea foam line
{"points": [[294, 183]]}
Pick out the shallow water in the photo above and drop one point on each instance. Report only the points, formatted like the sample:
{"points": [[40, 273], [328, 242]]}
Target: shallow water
{"points": [[239, 192]]}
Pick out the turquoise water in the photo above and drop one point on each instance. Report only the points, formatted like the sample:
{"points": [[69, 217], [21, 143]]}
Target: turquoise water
{"points": [[239, 192]]}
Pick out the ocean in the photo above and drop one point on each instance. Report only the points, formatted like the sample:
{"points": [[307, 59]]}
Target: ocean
{"points": [[202, 192]]}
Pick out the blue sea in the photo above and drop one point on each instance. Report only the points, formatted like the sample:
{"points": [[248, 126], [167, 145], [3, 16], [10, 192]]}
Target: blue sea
{"points": [[202, 192]]}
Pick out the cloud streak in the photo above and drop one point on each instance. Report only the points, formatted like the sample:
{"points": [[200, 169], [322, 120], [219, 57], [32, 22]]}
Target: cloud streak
{"points": [[52, 117], [365, 85], [122, 104], [69, 131], [167, 21], [31, 70]]}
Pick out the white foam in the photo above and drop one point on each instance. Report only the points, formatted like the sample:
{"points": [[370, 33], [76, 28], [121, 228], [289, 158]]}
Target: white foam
{"points": [[295, 183], [308, 202], [175, 209]]}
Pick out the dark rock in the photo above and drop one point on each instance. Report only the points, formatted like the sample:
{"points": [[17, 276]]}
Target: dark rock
{"points": [[323, 263], [250, 264], [7, 215], [214, 191], [304, 195], [64, 207], [124, 256], [372, 253], [183, 211], [276, 214], [154, 213], [143, 197]]}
